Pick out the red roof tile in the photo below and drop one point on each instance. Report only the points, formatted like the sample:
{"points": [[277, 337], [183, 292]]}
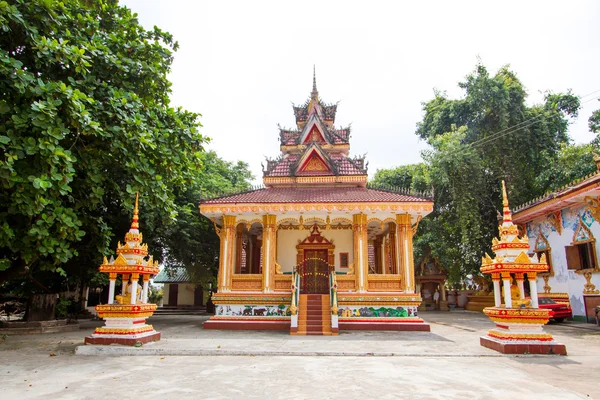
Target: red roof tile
{"points": [[317, 195]]}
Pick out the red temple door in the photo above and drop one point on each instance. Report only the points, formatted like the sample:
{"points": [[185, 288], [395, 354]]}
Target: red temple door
{"points": [[314, 273]]}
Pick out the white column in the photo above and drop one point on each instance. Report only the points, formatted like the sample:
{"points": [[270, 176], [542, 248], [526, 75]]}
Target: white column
{"points": [[533, 291], [111, 291], [497, 294], [124, 280], [507, 298], [145, 290], [521, 288], [134, 285]]}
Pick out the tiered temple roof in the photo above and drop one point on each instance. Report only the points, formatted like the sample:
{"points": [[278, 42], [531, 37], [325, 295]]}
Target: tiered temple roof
{"points": [[315, 148], [314, 165]]}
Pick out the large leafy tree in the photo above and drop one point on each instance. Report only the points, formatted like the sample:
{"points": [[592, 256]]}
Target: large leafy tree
{"points": [[191, 240], [488, 135], [85, 122]]}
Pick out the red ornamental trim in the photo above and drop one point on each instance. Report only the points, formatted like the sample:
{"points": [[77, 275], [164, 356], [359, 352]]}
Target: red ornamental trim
{"points": [[511, 246]]}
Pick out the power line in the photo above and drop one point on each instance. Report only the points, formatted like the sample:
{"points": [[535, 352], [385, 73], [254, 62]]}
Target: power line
{"points": [[517, 126]]}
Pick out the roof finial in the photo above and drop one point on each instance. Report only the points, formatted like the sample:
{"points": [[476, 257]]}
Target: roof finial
{"points": [[134, 222], [506, 209], [314, 94]]}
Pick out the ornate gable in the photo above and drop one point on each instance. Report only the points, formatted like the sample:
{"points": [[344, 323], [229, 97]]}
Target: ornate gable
{"points": [[582, 233], [314, 135], [313, 164], [541, 243]]}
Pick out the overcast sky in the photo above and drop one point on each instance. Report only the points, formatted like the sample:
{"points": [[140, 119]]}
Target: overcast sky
{"points": [[242, 63]]}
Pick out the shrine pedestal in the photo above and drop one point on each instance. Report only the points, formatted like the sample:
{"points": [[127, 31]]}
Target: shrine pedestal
{"points": [[125, 324], [520, 331]]}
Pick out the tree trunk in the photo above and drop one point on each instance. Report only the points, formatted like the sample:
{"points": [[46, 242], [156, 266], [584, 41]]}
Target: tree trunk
{"points": [[41, 307]]}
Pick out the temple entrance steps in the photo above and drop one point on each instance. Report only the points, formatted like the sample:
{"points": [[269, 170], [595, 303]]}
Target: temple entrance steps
{"points": [[314, 315]]}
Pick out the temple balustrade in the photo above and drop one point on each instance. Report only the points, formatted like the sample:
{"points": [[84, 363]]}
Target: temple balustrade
{"points": [[283, 282], [244, 282], [346, 283], [385, 283]]}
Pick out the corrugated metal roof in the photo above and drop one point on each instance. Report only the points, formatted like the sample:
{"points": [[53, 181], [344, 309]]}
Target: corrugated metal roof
{"points": [[173, 275]]}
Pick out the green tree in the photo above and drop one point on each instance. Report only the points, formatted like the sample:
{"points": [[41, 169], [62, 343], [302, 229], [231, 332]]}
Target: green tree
{"points": [[191, 240], [412, 177], [488, 135], [85, 122], [571, 162]]}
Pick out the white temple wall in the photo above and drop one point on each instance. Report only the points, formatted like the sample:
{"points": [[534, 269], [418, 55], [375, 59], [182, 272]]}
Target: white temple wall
{"points": [[288, 239], [166, 294], [565, 280], [185, 296]]}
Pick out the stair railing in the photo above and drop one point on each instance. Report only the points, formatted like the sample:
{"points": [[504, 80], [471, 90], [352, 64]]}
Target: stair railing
{"points": [[334, 299], [295, 300]]}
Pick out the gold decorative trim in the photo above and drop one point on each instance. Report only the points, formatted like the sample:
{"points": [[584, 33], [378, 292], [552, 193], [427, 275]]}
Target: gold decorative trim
{"points": [[594, 206], [555, 219], [424, 206], [416, 225], [589, 287], [286, 180]]}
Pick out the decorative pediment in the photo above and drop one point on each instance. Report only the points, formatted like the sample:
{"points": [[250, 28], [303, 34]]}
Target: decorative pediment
{"points": [[313, 163], [121, 260], [582, 233], [314, 131], [555, 219], [522, 258], [315, 237], [541, 243]]}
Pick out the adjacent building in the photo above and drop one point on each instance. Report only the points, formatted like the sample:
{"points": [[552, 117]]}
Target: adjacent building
{"points": [[564, 226]]}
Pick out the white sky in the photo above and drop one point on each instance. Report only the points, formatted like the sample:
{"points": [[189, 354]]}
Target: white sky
{"points": [[242, 63]]}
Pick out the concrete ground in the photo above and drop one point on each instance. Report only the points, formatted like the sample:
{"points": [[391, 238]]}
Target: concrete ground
{"points": [[190, 362]]}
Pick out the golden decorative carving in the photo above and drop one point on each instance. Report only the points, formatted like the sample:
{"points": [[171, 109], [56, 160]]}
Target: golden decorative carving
{"points": [[522, 258], [593, 206], [416, 225], [424, 206], [547, 288], [555, 219], [278, 269], [217, 229], [315, 165], [589, 287]]}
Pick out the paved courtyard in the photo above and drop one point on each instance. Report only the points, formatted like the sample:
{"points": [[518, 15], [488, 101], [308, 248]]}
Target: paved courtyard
{"points": [[193, 363]]}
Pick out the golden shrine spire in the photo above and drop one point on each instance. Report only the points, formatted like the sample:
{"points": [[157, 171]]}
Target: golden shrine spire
{"points": [[506, 209], [134, 223], [314, 95]]}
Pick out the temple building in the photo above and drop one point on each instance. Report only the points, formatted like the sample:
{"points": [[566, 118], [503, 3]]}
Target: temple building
{"points": [[564, 226], [317, 249]]}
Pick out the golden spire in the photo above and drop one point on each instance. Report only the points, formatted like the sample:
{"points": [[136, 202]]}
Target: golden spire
{"points": [[506, 209], [314, 95], [134, 223]]}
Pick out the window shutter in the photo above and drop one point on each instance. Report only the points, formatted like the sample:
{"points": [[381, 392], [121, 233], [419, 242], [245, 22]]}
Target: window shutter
{"points": [[573, 259]]}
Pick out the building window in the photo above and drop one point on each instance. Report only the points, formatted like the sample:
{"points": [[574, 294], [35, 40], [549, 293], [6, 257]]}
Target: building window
{"points": [[539, 253], [581, 256], [343, 260], [543, 247]]}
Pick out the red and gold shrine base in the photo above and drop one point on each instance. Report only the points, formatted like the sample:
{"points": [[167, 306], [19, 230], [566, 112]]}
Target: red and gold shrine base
{"points": [[125, 324], [520, 331]]}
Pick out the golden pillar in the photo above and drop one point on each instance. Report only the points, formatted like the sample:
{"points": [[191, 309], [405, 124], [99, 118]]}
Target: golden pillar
{"points": [[405, 254], [394, 268], [269, 249], [226, 259], [361, 251]]}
